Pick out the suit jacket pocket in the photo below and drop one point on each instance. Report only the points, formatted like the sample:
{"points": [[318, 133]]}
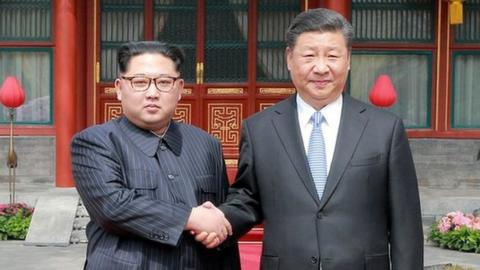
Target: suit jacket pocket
{"points": [[207, 189], [366, 161], [377, 262], [269, 262]]}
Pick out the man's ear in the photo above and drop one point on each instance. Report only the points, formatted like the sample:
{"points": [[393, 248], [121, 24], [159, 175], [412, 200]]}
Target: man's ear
{"points": [[288, 56], [349, 58], [117, 89], [181, 84]]}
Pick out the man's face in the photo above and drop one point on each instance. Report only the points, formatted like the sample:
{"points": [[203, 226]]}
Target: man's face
{"points": [[150, 109], [319, 65]]}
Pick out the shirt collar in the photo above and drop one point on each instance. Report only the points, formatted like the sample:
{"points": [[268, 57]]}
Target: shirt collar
{"points": [[331, 113], [149, 142]]}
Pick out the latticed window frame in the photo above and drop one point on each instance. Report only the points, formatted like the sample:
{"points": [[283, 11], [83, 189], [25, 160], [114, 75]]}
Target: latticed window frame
{"points": [[396, 45], [32, 44], [18, 23], [466, 41], [428, 54]]}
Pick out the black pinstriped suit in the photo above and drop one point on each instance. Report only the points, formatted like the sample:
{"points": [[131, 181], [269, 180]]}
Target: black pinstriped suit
{"points": [[139, 191]]}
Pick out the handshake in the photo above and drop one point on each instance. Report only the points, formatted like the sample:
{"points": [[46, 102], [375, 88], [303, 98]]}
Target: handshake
{"points": [[208, 225]]}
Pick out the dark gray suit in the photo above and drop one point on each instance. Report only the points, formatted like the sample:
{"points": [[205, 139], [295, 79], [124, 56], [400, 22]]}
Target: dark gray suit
{"points": [[139, 192], [370, 201]]}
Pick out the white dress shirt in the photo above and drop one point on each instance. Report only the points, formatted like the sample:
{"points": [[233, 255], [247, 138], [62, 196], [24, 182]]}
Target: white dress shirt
{"points": [[331, 113]]}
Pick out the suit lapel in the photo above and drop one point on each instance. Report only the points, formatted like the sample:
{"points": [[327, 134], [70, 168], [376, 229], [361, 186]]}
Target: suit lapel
{"points": [[352, 125], [288, 130]]}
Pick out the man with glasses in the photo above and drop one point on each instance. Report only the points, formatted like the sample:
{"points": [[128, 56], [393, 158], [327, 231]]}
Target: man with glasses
{"points": [[143, 177]]}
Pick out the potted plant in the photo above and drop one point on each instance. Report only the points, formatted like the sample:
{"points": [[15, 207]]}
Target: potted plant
{"points": [[458, 231], [14, 221]]}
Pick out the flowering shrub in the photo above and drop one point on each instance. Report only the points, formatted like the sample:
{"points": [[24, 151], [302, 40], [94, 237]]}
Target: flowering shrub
{"points": [[457, 231], [14, 221]]}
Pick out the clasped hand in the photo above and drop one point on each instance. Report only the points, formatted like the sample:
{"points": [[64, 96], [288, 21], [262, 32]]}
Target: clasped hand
{"points": [[209, 225]]}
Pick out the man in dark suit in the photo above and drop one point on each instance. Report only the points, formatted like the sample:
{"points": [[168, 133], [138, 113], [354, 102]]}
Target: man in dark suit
{"points": [[143, 176], [335, 190]]}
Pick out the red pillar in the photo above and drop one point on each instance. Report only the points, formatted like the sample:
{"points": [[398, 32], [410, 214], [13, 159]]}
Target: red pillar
{"points": [[341, 6], [65, 81]]}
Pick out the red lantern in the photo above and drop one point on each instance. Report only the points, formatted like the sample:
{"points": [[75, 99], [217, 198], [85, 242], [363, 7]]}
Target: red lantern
{"points": [[383, 93], [11, 93]]}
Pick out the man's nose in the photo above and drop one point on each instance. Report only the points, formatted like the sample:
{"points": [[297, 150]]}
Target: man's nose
{"points": [[152, 90], [320, 66]]}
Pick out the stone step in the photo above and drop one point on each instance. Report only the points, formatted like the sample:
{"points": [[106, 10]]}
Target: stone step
{"points": [[52, 220], [80, 222]]}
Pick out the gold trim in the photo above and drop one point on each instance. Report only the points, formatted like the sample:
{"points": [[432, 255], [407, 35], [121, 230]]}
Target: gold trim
{"points": [[277, 91], [187, 91], [97, 72], [306, 4], [109, 90], [201, 72], [264, 105], [197, 73], [231, 162], [225, 91]]}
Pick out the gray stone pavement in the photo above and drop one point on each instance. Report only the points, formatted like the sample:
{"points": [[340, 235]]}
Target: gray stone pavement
{"points": [[16, 256]]}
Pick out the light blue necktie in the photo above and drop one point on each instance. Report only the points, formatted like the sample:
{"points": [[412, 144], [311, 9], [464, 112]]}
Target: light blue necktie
{"points": [[316, 154]]}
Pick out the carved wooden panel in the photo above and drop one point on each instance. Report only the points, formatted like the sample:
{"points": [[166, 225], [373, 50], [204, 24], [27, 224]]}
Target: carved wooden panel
{"points": [[183, 113], [111, 110], [223, 122], [263, 105]]}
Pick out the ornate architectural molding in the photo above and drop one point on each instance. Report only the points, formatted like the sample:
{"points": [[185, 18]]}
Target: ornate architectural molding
{"points": [[276, 91], [112, 110], [264, 105], [225, 91], [187, 91], [224, 122], [183, 113], [109, 90], [231, 162]]}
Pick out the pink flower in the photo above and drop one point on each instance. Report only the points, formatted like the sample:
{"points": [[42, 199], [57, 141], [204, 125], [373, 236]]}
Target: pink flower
{"points": [[475, 225], [460, 220], [444, 225], [3, 206]]}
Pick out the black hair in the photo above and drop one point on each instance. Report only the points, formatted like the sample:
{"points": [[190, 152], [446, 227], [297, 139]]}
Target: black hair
{"points": [[134, 48], [319, 20]]}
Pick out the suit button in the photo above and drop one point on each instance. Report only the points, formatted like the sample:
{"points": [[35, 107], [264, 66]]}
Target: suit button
{"points": [[319, 215], [171, 176], [314, 260]]}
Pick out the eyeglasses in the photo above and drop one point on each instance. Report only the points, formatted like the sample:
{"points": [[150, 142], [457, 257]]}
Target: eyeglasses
{"points": [[141, 84]]}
